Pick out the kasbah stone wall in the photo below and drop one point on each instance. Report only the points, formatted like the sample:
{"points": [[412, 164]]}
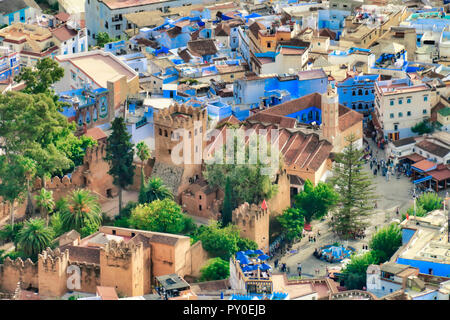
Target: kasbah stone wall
{"points": [[92, 175]]}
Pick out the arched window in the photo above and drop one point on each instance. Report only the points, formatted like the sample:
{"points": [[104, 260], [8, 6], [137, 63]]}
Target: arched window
{"points": [[165, 133], [160, 132], [359, 92]]}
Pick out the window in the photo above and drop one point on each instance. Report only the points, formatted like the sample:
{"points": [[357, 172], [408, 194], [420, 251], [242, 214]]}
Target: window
{"points": [[359, 92], [392, 116], [367, 92], [170, 151], [89, 32], [200, 207], [118, 27], [200, 197], [408, 113], [391, 102], [400, 101], [395, 127], [74, 76], [424, 111], [408, 100], [165, 133], [160, 132], [425, 98], [106, 25], [114, 232], [353, 93], [268, 44], [400, 114]]}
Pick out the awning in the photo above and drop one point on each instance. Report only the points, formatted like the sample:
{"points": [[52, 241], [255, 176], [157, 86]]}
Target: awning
{"points": [[440, 175], [422, 179]]}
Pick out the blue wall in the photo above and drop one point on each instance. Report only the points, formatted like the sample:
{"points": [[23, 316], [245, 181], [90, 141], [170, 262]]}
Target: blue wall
{"points": [[439, 269]]}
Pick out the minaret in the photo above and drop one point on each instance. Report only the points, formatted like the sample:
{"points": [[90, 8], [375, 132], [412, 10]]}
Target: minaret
{"points": [[330, 114]]}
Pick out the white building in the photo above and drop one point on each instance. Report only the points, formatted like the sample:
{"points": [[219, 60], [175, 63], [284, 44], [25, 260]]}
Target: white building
{"points": [[399, 105]]}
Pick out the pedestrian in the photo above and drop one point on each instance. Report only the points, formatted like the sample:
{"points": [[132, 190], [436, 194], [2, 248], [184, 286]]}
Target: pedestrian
{"points": [[397, 211], [318, 232], [276, 263], [314, 239], [376, 206]]}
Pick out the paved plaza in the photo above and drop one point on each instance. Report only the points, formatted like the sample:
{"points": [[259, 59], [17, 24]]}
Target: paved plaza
{"points": [[391, 194]]}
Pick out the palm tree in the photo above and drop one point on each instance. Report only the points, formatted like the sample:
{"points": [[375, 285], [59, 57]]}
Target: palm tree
{"points": [[155, 189], [143, 152], [45, 202], [83, 207], [34, 237]]}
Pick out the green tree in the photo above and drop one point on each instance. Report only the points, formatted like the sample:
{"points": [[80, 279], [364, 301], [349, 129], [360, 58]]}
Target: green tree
{"points": [[153, 190], [250, 182], [9, 233], [355, 189], [119, 154], [354, 273], [46, 204], [292, 221], [83, 211], [215, 269], [40, 78], [386, 242], [222, 242], [422, 127], [227, 206], [160, 216], [429, 201], [34, 238], [315, 202], [420, 212], [13, 180], [56, 224], [143, 152], [103, 38]]}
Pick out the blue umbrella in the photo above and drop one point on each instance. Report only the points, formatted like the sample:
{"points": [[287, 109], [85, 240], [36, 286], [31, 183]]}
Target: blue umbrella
{"points": [[264, 267], [263, 257], [258, 252], [246, 268], [249, 252], [244, 260]]}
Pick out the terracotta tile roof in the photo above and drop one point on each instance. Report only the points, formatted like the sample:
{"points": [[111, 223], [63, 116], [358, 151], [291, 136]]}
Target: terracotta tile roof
{"points": [[433, 148], [413, 157], [202, 47], [424, 165], [184, 54], [228, 120], [254, 29], [64, 33], [62, 16], [404, 141], [96, 133]]}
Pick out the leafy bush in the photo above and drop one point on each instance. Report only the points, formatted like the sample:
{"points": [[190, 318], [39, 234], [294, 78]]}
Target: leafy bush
{"points": [[429, 201], [385, 242], [354, 274], [9, 234], [215, 269]]}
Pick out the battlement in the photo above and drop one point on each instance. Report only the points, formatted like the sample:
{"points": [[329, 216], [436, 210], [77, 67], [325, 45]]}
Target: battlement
{"points": [[121, 249], [249, 212], [95, 153], [53, 259], [18, 263], [179, 116]]}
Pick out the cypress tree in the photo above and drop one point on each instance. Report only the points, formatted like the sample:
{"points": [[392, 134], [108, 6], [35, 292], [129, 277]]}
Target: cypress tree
{"points": [[119, 154], [227, 206], [356, 192]]}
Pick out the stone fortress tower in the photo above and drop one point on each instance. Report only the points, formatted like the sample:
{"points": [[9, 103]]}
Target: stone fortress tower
{"points": [[253, 222], [179, 145], [330, 114]]}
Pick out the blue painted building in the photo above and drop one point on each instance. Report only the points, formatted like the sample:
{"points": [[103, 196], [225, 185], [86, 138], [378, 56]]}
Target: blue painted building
{"points": [[17, 11], [425, 246], [358, 93], [9, 65], [270, 91]]}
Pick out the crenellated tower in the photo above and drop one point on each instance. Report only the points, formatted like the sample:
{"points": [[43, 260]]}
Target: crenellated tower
{"points": [[123, 266], [253, 222], [52, 269]]}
